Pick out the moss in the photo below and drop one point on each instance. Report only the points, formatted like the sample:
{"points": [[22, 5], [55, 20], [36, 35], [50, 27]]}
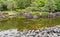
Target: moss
{"points": [[44, 13], [5, 12], [41, 13], [34, 13], [19, 10]]}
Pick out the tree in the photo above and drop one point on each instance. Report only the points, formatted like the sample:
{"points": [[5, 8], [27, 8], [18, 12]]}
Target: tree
{"points": [[11, 4], [22, 4], [7, 4], [0, 4], [50, 5], [38, 3], [57, 4]]}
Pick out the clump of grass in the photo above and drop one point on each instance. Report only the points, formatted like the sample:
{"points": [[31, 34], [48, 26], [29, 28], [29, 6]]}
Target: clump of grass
{"points": [[6, 12], [34, 13], [20, 10], [41, 13], [44, 13]]}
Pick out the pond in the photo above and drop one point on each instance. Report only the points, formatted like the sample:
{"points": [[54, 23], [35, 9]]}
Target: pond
{"points": [[21, 23]]}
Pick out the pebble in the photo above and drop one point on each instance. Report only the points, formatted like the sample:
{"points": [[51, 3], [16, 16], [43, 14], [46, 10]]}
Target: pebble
{"points": [[43, 32]]}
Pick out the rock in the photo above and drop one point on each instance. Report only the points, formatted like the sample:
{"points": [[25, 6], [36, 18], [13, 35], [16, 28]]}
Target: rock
{"points": [[2, 15], [20, 14], [57, 13], [37, 31], [35, 16], [51, 15], [43, 32], [29, 16], [43, 16]]}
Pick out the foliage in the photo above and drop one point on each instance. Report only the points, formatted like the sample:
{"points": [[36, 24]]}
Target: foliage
{"points": [[33, 4], [22, 4], [8, 4], [41, 13], [44, 13], [20, 17], [38, 3], [5, 12], [50, 5], [34, 13], [57, 4], [21, 10]]}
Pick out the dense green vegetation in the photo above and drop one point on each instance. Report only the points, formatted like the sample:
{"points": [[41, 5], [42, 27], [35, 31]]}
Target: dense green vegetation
{"points": [[34, 13], [43, 5]]}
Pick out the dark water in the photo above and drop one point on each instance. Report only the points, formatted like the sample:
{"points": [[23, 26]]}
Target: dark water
{"points": [[21, 23]]}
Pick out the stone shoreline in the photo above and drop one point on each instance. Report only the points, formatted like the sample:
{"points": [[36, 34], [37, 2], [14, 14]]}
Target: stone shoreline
{"points": [[43, 32]]}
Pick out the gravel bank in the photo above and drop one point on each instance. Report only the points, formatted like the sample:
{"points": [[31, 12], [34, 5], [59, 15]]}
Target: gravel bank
{"points": [[43, 32]]}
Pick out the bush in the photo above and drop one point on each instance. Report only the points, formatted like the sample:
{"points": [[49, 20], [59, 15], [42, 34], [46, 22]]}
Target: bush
{"points": [[41, 13], [21, 10], [5, 12], [20, 17], [33, 9], [44, 13], [34, 13]]}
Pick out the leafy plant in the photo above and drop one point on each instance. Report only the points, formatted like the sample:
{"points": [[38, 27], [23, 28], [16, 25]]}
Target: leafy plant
{"points": [[5, 12], [34, 13], [42, 13], [21, 10], [50, 5]]}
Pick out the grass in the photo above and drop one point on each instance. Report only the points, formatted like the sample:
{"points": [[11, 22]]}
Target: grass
{"points": [[34, 13], [19, 10], [21, 23], [41, 13]]}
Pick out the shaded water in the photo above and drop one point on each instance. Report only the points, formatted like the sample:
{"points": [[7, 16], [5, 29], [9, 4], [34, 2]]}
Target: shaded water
{"points": [[21, 23]]}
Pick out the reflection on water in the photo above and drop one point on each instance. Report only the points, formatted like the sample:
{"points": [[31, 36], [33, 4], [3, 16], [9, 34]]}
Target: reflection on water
{"points": [[28, 24]]}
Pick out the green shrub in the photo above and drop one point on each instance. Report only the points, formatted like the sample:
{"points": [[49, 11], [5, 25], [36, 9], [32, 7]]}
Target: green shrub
{"points": [[33, 9], [20, 17], [18, 10], [41, 13], [44, 13], [21, 10], [34, 13], [5, 12]]}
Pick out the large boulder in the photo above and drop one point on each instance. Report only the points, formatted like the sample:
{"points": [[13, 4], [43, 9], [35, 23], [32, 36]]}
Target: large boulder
{"points": [[26, 14], [57, 13], [20, 14], [12, 13], [23, 13], [51, 15], [29, 16], [2, 15], [43, 16], [36, 16]]}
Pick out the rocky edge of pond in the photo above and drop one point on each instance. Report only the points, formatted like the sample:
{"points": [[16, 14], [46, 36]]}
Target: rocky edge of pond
{"points": [[29, 16], [43, 32]]}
